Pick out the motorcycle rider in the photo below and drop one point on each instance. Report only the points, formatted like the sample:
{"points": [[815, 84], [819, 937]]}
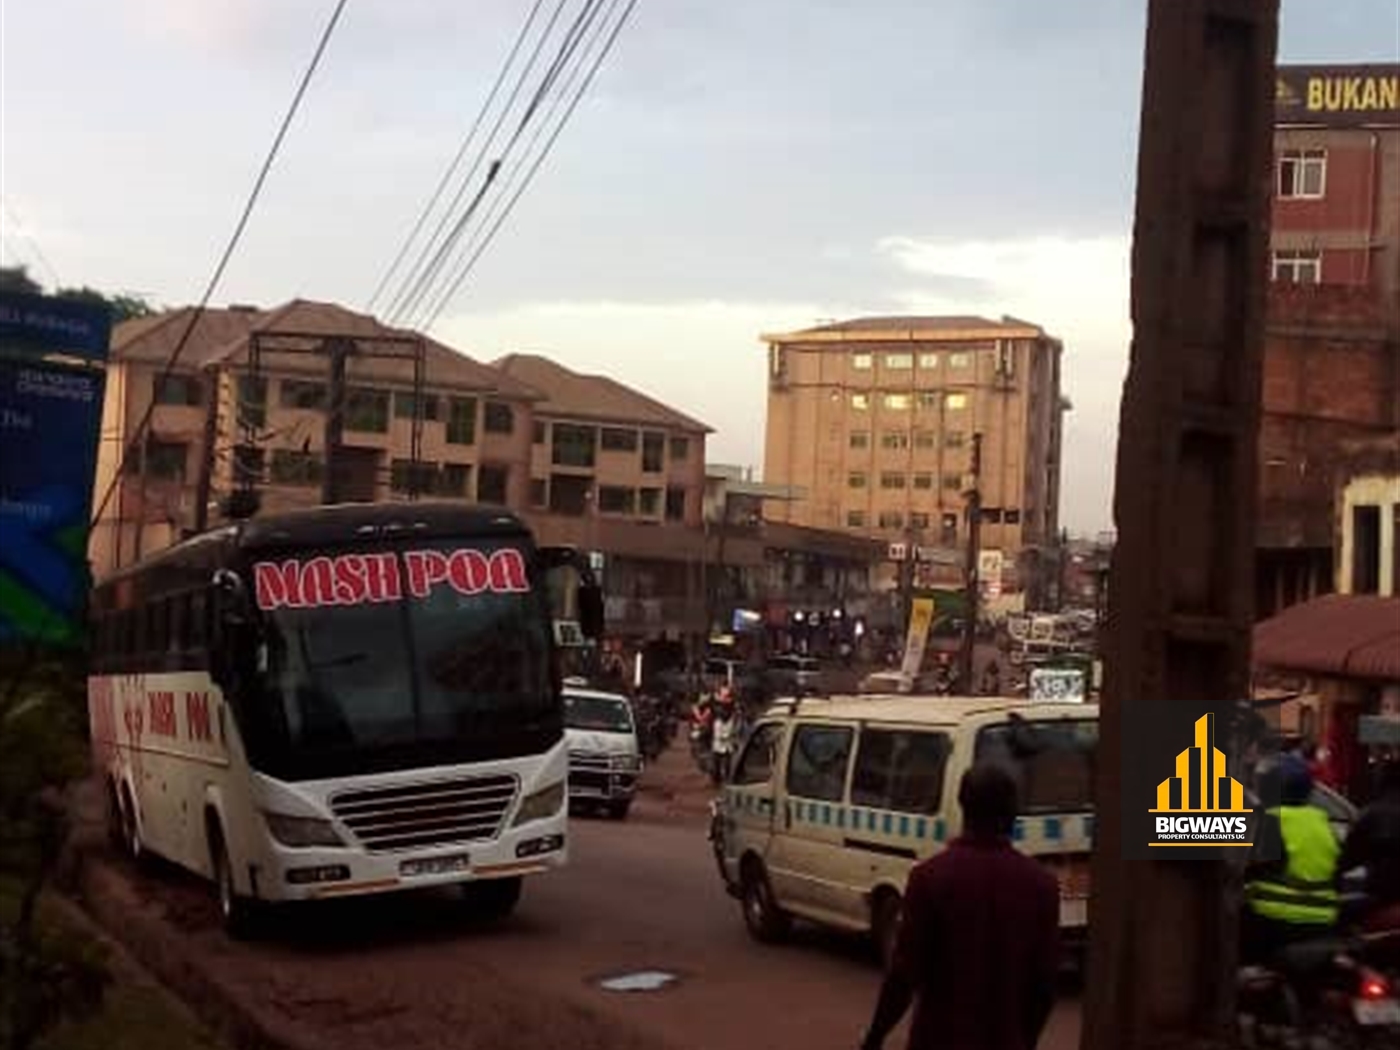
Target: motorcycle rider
{"points": [[1374, 844], [1294, 897]]}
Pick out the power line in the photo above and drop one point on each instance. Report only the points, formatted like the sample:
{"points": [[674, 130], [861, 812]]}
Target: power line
{"points": [[412, 284], [456, 160], [33, 244], [218, 274], [534, 168]]}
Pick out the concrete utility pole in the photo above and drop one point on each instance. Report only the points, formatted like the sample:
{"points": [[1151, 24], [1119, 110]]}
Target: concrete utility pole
{"points": [[973, 575], [1164, 934]]}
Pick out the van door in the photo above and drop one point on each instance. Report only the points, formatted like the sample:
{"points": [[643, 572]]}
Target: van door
{"points": [[808, 869], [751, 798]]}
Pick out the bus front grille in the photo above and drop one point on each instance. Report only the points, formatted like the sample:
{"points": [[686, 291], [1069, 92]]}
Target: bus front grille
{"points": [[437, 813]]}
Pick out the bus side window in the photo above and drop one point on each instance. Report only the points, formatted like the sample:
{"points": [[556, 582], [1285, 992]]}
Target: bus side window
{"points": [[198, 622], [175, 646]]}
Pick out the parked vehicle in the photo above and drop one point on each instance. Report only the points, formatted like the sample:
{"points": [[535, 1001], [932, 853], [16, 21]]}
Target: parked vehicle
{"points": [[897, 683], [831, 802], [344, 700], [793, 675], [605, 756]]}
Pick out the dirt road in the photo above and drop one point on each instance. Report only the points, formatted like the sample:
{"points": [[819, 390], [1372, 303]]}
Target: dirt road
{"points": [[415, 970]]}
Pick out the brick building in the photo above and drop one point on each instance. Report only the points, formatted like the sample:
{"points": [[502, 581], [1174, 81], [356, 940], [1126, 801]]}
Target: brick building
{"points": [[874, 420], [1332, 356]]}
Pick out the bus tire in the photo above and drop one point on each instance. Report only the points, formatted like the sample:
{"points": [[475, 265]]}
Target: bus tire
{"points": [[236, 912], [766, 921], [493, 899], [132, 845], [884, 926]]}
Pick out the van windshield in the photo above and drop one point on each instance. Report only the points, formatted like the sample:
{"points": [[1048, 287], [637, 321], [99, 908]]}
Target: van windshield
{"points": [[607, 714], [1051, 760]]}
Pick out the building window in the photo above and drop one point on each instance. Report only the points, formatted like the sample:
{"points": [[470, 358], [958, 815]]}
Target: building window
{"points": [[899, 361], [891, 519], [252, 401], [991, 515], [1302, 173], [291, 467], [894, 439], [367, 410], [165, 460], [455, 479], [492, 484], [892, 480], [860, 402], [952, 482], [925, 439], [956, 402], [928, 360], [1366, 549], [1297, 267], [178, 390], [918, 519], [541, 435], [299, 393], [461, 421], [249, 464], [949, 530], [614, 500], [862, 362], [649, 503], [954, 439], [404, 405], [499, 418], [1012, 517], [653, 453], [539, 492], [680, 449], [898, 402], [411, 478], [923, 481], [615, 439], [929, 399], [959, 360], [675, 504], [860, 439], [574, 446], [855, 519], [856, 480]]}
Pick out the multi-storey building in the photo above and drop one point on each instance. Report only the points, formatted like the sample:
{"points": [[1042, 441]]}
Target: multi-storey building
{"points": [[875, 419]]}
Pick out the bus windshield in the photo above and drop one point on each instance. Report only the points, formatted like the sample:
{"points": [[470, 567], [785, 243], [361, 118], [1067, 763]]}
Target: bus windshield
{"points": [[1052, 761], [390, 657]]}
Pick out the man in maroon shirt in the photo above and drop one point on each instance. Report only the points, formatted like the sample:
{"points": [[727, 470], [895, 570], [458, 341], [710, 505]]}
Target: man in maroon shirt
{"points": [[978, 947]]}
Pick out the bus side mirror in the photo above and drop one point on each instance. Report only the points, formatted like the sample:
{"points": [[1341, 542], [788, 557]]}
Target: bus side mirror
{"points": [[230, 626], [590, 611]]}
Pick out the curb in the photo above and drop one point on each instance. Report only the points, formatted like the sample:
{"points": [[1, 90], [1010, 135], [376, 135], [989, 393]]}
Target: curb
{"points": [[108, 899]]}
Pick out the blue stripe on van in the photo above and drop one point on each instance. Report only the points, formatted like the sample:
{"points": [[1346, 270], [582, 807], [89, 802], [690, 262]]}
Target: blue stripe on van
{"points": [[888, 824], [1089, 829], [1053, 831], [841, 816], [1018, 833], [920, 828], [940, 830], [903, 827], [826, 815]]}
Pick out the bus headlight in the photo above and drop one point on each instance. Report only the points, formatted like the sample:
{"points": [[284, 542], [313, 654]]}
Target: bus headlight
{"points": [[302, 831], [543, 803]]}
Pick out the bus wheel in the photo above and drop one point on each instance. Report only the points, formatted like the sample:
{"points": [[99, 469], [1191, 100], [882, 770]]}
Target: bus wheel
{"points": [[131, 828], [766, 922], [493, 899], [235, 912], [884, 927]]}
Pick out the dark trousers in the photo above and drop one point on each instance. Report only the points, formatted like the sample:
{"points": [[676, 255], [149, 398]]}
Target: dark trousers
{"points": [[1262, 938], [719, 767]]}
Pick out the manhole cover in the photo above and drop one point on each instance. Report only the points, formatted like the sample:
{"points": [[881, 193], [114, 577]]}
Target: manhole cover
{"points": [[641, 981]]}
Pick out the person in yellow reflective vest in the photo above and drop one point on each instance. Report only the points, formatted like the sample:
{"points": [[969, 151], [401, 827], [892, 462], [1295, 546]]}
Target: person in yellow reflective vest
{"points": [[1290, 892]]}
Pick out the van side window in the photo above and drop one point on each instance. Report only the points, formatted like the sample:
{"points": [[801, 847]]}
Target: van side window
{"points": [[901, 770], [817, 764], [760, 756]]}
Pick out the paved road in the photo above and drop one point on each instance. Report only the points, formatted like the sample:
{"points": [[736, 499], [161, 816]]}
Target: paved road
{"points": [[642, 895]]}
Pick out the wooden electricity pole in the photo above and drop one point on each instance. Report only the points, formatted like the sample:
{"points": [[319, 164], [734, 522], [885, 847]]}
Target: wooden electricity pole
{"points": [[973, 576], [1181, 587]]}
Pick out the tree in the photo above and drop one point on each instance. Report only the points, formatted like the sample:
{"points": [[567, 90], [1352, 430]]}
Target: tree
{"points": [[123, 307], [17, 279]]}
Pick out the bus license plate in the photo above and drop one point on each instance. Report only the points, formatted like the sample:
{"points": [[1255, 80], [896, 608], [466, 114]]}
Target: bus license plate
{"points": [[1376, 1011], [453, 862]]}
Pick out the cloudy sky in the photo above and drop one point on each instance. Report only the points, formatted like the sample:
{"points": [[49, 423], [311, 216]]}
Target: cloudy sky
{"points": [[736, 168]]}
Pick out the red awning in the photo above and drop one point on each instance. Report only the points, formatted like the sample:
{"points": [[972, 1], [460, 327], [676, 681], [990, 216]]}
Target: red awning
{"points": [[1342, 635]]}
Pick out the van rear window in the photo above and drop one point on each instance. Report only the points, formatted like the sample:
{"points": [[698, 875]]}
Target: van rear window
{"points": [[1052, 761]]}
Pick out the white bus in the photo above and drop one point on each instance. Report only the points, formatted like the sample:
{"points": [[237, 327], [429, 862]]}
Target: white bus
{"points": [[345, 700]]}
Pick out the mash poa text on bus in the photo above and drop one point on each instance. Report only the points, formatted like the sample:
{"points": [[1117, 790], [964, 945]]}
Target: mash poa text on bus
{"points": [[357, 579]]}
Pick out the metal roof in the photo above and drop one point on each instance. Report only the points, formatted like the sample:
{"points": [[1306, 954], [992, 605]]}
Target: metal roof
{"points": [[1340, 635]]}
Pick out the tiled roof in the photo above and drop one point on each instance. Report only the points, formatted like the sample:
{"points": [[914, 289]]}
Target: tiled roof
{"points": [[154, 338], [911, 327], [1340, 635], [573, 394]]}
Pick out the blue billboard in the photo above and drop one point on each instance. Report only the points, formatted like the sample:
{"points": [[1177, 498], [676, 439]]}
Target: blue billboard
{"points": [[50, 415]]}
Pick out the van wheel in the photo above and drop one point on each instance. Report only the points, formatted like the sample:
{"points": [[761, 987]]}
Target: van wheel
{"points": [[884, 927], [236, 912], [766, 922], [493, 899]]}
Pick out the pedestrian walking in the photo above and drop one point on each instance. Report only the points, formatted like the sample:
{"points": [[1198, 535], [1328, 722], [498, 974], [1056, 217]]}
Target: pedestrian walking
{"points": [[722, 743], [978, 944]]}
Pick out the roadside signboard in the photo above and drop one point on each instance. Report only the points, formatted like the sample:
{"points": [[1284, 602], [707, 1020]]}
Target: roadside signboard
{"points": [[51, 390], [920, 621], [1062, 684]]}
